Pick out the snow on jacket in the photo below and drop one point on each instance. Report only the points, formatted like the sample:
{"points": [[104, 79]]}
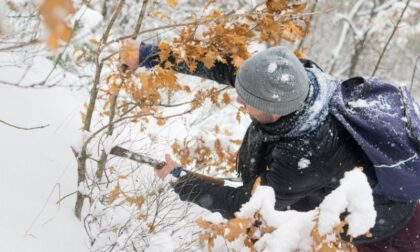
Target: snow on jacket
{"points": [[301, 168]]}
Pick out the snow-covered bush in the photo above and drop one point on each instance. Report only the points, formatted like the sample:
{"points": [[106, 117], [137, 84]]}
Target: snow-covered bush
{"points": [[259, 227]]}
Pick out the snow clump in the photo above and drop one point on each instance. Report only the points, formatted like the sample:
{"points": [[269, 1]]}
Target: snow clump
{"points": [[272, 67], [303, 163], [355, 195], [285, 78]]}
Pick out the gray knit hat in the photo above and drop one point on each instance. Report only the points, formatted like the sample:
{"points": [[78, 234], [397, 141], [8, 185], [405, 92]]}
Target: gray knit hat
{"points": [[273, 81]]}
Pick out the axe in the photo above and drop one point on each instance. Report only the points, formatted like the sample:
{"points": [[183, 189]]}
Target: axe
{"points": [[139, 158]]}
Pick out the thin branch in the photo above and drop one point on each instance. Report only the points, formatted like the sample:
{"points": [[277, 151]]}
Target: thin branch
{"points": [[309, 24], [76, 24], [197, 22], [99, 66], [82, 156], [112, 21], [140, 19], [24, 128], [58, 186], [414, 73], [20, 45], [354, 29], [114, 98], [62, 198], [40, 85], [343, 35], [390, 38]]}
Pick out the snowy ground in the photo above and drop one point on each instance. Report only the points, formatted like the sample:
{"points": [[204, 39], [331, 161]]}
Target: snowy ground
{"points": [[37, 166]]}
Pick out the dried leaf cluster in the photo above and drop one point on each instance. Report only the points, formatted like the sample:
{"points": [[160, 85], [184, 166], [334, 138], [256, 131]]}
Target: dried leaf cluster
{"points": [[324, 243], [226, 36], [203, 154], [250, 230], [132, 200]]}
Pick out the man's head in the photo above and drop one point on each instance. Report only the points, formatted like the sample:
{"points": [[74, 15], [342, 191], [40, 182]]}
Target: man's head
{"points": [[271, 84], [257, 114]]}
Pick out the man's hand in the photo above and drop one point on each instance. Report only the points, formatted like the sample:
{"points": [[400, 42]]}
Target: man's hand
{"points": [[129, 54], [170, 166]]}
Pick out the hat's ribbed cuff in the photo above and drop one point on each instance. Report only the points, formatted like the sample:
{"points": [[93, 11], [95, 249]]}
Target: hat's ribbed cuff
{"points": [[270, 107]]}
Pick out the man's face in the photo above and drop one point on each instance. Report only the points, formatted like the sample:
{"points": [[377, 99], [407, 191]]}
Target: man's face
{"points": [[258, 114]]}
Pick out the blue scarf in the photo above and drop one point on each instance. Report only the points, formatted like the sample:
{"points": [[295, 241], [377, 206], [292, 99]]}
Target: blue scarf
{"points": [[322, 87]]}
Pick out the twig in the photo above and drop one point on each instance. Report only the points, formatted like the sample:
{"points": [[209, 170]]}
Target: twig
{"points": [[308, 26], [20, 45], [114, 98], [414, 73], [76, 24], [112, 21], [197, 22], [99, 65], [342, 38], [24, 128], [40, 84], [57, 185], [62, 198], [390, 38], [140, 19]]}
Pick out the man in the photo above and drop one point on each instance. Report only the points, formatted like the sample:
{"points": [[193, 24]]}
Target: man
{"points": [[293, 145]]}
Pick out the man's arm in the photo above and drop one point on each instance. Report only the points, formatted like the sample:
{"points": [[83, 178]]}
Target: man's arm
{"points": [[223, 199], [223, 73], [190, 187]]}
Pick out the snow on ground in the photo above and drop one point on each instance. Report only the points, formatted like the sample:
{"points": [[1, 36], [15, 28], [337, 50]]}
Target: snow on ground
{"points": [[34, 163]]}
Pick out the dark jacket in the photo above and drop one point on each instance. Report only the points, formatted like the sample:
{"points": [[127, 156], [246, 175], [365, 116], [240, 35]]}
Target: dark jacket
{"points": [[266, 152]]}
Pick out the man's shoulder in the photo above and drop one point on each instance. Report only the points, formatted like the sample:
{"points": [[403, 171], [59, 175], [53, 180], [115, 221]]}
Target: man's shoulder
{"points": [[328, 135]]}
